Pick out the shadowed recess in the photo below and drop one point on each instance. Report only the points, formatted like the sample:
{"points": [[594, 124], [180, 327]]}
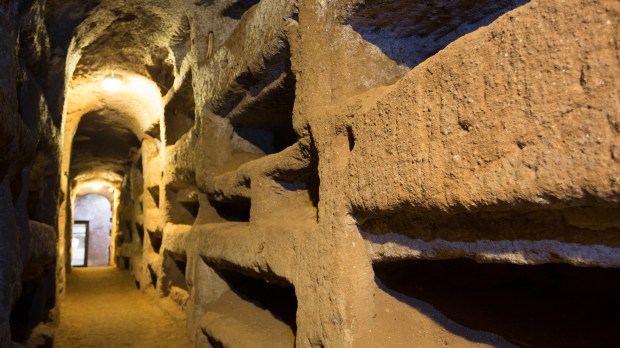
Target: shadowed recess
{"points": [[101, 142], [552, 305], [411, 31]]}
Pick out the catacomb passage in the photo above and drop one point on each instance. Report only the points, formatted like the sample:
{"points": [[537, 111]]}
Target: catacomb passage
{"points": [[309, 173]]}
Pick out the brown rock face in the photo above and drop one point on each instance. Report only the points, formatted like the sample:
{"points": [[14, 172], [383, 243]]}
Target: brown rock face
{"points": [[349, 173]]}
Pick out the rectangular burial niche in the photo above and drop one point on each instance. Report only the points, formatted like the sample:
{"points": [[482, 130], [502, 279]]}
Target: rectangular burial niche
{"points": [[308, 181], [156, 237], [266, 310], [267, 140], [140, 232], [153, 276], [237, 211], [175, 265], [125, 229], [125, 262], [259, 105], [409, 32], [238, 8], [183, 203], [154, 192], [279, 299], [550, 305], [179, 113], [192, 207]]}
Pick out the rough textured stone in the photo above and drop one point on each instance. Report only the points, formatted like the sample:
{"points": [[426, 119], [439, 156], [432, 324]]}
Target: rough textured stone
{"points": [[315, 173]]}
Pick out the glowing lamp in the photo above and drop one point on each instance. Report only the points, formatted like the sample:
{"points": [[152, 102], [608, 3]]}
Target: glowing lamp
{"points": [[111, 83]]}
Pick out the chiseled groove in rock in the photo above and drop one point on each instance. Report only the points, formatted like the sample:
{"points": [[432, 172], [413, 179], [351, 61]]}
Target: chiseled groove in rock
{"points": [[392, 246]]}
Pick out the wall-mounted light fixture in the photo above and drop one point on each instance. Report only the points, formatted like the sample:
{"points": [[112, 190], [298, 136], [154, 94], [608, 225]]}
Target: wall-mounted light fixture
{"points": [[111, 83], [96, 185]]}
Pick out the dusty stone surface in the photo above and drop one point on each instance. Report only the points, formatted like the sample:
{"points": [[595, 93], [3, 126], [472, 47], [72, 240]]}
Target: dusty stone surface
{"points": [[102, 308], [292, 173]]}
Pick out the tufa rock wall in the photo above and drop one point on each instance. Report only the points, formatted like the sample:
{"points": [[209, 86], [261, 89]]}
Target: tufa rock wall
{"points": [[320, 164], [349, 173], [29, 173]]}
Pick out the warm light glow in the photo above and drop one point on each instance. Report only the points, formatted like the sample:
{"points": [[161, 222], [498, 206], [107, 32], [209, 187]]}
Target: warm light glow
{"points": [[110, 190], [112, 83], [138, 97], [96, 186]]}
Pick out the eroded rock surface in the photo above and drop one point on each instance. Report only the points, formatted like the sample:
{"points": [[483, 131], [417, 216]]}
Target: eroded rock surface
{"points": [[323, 174]]}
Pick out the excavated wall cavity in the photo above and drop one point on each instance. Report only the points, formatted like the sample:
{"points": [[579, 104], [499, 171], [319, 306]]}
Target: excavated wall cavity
{"points": [[348, 173]]}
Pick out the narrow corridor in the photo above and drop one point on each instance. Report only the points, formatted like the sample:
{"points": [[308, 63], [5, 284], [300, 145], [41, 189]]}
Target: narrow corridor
{"points": [[102, 308], [309, 173]]}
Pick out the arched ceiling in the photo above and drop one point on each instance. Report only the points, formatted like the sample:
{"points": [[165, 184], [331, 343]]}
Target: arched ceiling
{"points": [[129, 39], [102, 143], [103, 127], [132, 35]]}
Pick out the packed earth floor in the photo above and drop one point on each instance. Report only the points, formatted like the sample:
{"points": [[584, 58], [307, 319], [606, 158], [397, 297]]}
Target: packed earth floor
{"points": [[102, 308]]}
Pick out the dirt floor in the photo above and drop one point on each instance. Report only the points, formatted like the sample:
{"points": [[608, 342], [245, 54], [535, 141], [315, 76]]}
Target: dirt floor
{"points": [[102, 308]]}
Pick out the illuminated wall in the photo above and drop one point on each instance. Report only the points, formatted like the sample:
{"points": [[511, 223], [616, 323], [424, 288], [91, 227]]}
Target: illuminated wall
{"points": [[97, 211]]}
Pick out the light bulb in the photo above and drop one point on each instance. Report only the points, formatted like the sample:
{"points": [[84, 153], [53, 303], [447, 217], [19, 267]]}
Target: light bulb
{"points": [[111, 83]]}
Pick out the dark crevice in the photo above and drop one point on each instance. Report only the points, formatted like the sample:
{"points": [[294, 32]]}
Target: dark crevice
{"points": [[126, 229], [33, 306], [140, 231], [153, 276], [191, 207], [154, 191], [215, 343], [268, 140], [180, 112], [232, 211], [313, 184], [175, 265], [351, 138], [125, 262], [237, 9], [552, 305], [139, 164], [156, 238], [154, 131]]}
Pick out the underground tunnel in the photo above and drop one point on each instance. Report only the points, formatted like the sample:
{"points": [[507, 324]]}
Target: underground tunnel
{"points": [[308, 173]]}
